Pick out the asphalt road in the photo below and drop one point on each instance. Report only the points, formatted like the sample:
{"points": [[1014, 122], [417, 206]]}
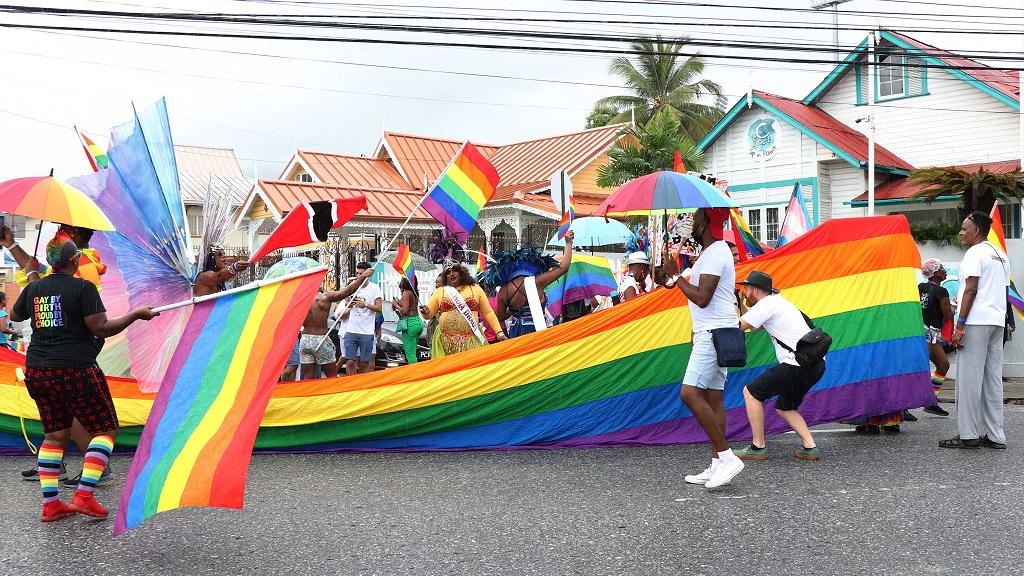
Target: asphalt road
{"points": [[873, 505]]}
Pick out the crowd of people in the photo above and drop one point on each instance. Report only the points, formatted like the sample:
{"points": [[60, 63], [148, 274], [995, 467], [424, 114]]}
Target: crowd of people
{"points": [[69, 322]]}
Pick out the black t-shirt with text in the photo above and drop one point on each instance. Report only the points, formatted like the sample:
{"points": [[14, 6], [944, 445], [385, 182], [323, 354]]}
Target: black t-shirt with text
{"points": [[57, 306], [931, 303]]}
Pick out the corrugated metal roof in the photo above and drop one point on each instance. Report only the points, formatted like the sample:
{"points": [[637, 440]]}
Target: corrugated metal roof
{"points": [[585, 205], [419, 155], [828, 128], [283, 195], [1004, 81], [531, 164], [902, 188], [360, 171], [203, 169]]}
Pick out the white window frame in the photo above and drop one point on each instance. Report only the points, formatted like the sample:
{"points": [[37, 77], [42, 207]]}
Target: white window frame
{"points": [[886, 63], [304, 177], [763, 230]]}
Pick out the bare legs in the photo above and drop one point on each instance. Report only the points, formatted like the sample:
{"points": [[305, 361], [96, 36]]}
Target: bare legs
{"points": [[708, 409], [755, 413]]}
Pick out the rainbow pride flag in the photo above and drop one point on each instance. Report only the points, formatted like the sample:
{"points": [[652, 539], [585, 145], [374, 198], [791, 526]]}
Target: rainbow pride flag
{"points": [[198, 439], [610, 378], [481, 260], [567, 218], [403, 264], [463, 189], [750, 242], [588, 276], [996, 236], [97, 157]]}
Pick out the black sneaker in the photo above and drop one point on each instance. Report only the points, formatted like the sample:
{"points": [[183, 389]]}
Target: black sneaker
{"points": [[908, 417], [104, 478], [957, 442], [33, 474], [936, 409], [986, 443]]}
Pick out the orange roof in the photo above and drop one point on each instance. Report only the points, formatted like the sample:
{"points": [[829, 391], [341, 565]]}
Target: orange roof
{"points": [[419, 155], [585, 205], [527, 166], [357, 171], [282, 195], [903, 188]]}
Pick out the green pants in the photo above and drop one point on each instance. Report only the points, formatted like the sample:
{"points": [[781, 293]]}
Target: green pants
{"points": [[411, 336]]}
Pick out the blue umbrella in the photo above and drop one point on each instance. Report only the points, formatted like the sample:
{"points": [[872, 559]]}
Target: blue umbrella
{"points": [[595, 231]]}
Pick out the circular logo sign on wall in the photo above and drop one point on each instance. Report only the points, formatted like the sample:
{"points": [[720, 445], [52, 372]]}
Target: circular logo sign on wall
{"points": [[763, 139]]}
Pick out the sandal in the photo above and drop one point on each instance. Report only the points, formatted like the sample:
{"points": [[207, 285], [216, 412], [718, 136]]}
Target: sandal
{"points": [[957, 442]]}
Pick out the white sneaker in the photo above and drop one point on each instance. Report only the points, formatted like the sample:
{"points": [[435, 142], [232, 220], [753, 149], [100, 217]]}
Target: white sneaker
{"points": [[725, 472], [704, 476]]}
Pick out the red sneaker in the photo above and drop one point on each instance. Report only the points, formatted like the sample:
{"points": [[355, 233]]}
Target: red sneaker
{"points": [[85, 503], [55, 511]]}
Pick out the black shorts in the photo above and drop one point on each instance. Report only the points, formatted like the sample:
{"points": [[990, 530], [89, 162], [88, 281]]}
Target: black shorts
{"points": [[62, 394], [790, 383]]}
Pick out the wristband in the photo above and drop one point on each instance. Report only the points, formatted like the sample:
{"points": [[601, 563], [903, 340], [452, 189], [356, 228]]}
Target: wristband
{"points": [[961, 320]]}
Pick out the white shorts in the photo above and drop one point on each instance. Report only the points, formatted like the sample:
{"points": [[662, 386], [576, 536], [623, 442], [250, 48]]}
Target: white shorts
{"points": [[703, 371]]}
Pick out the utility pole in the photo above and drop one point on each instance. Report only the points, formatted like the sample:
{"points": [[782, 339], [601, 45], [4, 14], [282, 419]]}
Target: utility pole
{"points": [[870, 119], [834, 5]]}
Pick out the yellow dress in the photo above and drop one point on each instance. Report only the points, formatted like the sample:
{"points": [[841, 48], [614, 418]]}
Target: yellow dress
{"points": [[453, 334]]}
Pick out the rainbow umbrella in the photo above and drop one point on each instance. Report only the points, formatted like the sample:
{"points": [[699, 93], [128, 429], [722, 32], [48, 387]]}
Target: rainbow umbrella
{"points": [[659, 192], [48, 199]]}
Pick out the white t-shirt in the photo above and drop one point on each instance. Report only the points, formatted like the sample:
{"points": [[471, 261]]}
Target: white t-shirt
{"points": [[362, 320], [782, 320], [720, 312], [628, 281], [992, 268]]}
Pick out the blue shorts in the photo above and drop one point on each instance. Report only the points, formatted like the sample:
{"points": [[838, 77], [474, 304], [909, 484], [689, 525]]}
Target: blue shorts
{"points": [[703, 371], [358, 346], [293, 358]]}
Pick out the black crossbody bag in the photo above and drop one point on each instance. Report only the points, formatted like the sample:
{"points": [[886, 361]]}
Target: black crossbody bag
{"points": [[730, 347], [811, 347]]}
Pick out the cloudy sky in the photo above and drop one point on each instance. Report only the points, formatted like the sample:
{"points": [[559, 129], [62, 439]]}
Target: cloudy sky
{"points": [[265, 97]]}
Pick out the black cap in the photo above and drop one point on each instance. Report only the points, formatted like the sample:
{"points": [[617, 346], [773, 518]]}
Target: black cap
{"points": [[760, 280]]}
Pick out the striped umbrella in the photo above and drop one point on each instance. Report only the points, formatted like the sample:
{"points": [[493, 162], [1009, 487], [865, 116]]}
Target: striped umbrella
{"points": [[48, 199], [663, 191]]}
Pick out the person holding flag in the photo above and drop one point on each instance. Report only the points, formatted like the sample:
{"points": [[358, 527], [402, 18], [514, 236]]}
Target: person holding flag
{"points": [[410, 326]]}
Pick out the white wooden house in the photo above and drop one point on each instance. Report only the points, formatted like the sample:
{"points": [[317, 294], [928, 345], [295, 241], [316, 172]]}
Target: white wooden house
{"points": [[933, 108]]}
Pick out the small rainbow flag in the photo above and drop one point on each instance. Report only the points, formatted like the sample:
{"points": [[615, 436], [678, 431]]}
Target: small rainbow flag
{"points": [[567, 218], [996, 236], [588, 276], [97, 157], [463, 189], [403, 264], [198, 439], [481, 260], [752, 245]]}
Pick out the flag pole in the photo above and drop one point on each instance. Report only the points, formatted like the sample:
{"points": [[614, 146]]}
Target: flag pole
{"points": [[244, 288], [391, 242]]}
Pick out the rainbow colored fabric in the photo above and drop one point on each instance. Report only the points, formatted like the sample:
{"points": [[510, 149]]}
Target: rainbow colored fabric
{"points": [[195, 448], [750, 243], [567, 218], [97, 157], [461, 191], [588, 276], [403, 264], [610, 378], [481, 260], [996, 236]]}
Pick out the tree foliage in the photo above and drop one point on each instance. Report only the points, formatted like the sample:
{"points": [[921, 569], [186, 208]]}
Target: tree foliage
{"points": [[651, 148], [978, 190]]}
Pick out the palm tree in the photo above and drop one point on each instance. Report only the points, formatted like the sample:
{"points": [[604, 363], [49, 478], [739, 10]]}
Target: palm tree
{"points": [[661, 79], [978, 190], [650, 149]]}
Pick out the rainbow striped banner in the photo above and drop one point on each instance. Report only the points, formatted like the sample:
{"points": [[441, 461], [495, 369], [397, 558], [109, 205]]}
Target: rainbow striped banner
{"points": [[403, 264], [463, 189], [610, 378], [96, 156], [198, 439], [588, 276], [996, 236], [751, 243]]}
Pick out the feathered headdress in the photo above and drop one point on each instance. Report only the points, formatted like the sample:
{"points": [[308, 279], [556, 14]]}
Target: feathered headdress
{"points": [[512, 264], [446, 246]]}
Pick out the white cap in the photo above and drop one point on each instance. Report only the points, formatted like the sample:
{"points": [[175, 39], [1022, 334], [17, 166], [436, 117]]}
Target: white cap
{"points": [[637, 258]]}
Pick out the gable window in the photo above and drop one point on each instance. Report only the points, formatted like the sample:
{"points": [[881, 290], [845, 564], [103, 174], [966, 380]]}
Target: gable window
{"points": [[303, 177], [891, 75], [195, 220], [765, 222]]}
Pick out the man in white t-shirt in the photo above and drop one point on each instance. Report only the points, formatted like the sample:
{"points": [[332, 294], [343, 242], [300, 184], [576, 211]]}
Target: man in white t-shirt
{"points": [[710, 292], [788, 379], [360, 327], [984, 282]]}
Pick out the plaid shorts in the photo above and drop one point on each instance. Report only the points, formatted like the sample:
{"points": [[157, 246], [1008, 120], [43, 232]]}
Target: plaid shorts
{"points": [[62, 394]]}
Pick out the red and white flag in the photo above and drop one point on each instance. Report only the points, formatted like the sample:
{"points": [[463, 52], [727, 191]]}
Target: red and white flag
{"points": [[310, 222]]}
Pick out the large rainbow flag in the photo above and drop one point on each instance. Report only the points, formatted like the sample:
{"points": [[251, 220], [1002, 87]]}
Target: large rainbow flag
{"points": [[610, 378], [996, 236], [465, 186], [198, 439]]}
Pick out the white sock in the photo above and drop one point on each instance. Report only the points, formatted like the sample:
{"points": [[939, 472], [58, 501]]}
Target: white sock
{"points": [[726, 455]]}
